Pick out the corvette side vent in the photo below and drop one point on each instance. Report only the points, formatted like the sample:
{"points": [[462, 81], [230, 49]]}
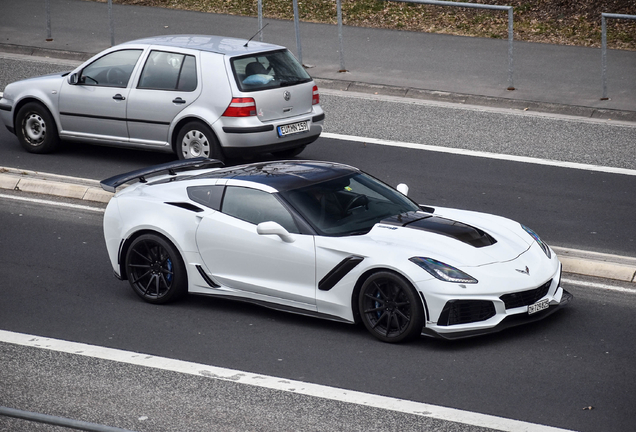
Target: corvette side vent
{"points": [[186, 206], [207, 278]]}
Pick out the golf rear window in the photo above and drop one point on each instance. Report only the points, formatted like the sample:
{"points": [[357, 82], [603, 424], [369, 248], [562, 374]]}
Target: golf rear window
{"points": [[268, 70]]}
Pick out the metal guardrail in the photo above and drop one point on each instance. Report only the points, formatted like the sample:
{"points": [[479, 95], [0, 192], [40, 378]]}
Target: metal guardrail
{"points": [[299, 52], [58, 421], [509, 9], [604, 16]]}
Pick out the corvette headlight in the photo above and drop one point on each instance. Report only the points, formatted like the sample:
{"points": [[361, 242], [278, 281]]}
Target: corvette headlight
{"points": [[544, 247], [443, 271]]}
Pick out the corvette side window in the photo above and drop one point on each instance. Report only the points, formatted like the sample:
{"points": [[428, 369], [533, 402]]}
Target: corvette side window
{"points": [[255, 206], [112, 70], [209, 196]]}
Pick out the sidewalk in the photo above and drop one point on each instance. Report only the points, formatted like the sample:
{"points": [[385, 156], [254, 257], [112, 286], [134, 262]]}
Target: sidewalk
{"points": [[549, 78]]}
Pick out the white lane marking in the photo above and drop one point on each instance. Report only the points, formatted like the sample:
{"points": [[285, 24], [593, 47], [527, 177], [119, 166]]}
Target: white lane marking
{"points": [[474, 153], [274, 383], [53, 203], [599, 286]]}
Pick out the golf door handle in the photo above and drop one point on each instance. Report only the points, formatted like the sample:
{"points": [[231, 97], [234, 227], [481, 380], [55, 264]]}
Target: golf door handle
{"points": [[119, 97], [178, 101]]}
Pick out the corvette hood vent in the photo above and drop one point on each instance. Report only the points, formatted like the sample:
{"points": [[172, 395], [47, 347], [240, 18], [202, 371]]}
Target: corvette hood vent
{"points": [[442, 226]]}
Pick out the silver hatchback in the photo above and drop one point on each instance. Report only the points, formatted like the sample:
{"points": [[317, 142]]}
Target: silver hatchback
{"points": [[194, 95]]}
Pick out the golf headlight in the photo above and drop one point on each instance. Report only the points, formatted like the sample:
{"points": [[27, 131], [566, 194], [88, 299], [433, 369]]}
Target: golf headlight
{"points": [[443, 271], [544, 247]]}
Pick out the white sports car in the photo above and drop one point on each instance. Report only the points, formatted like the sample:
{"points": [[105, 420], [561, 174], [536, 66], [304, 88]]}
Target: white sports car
{"points": [[326, 240]]}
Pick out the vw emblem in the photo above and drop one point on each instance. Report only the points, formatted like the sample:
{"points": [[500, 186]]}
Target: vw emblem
{"points": [[526, 271], [287, 95]]}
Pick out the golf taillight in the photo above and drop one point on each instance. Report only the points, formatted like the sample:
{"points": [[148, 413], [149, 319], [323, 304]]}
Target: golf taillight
{"points": [[315, 96], [241, 107]]}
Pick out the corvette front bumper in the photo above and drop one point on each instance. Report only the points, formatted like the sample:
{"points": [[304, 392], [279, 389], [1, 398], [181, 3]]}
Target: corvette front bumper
{"points": [[507, 322]]}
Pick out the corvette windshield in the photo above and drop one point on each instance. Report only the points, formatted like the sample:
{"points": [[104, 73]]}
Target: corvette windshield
{"points": [[347, 205]]}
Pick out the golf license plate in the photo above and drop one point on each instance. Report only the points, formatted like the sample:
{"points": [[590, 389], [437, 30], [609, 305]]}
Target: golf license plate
{"points": [[538, 306], [293, 128]]}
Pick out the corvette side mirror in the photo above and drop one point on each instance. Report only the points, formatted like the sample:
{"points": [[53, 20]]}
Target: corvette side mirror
{"points": [[273, 228], [403, 189]]}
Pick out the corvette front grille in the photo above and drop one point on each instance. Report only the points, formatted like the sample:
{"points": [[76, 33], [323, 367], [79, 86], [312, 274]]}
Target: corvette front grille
{"points": [[465, 311], [525, 298]]}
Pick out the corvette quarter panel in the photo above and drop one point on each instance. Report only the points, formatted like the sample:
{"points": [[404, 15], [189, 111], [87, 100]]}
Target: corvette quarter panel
{"points": [[177, 224]]}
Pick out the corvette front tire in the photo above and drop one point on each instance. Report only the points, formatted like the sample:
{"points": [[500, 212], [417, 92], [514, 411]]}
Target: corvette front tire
{"points": [[390, 308]]}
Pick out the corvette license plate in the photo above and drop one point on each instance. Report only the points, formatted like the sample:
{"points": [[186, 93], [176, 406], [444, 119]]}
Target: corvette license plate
{"points": [[293, 128], [538, 306]]}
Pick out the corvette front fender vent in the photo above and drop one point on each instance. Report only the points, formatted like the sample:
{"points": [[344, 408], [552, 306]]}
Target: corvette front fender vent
{"points": [[338, 272]]}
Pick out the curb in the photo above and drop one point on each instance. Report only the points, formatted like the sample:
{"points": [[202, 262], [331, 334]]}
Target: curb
{"points": [[52, 184], [45, 52], [387, 90], [575, 261], [597, 264]]}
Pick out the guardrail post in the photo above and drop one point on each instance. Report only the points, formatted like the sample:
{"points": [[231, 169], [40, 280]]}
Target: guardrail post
{"points": [[604, 56], [511, 85], [297, 28], [48, 21], [339, 13], [604, 46], [260, 20], [111, 23]]}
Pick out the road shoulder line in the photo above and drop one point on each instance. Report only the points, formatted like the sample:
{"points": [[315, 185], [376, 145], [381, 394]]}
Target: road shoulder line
{"points": [[274, 383]]}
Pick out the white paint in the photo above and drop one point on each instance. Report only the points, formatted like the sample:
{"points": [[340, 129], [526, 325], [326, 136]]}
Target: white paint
{"points": [[596, 285], [52, 203], [463, 152], [274, 383]]}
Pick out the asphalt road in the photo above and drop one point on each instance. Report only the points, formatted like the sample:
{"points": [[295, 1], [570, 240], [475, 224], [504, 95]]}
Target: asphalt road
{"points": [[568, 207], [575, 208], [57, 283]]}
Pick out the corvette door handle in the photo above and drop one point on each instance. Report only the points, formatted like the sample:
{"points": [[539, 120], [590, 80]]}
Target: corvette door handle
{"points": [[119, 97], [178, 101]]}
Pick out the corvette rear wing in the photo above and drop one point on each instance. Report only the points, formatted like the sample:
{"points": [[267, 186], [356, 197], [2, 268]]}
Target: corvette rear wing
{"points": [[111, 184]]}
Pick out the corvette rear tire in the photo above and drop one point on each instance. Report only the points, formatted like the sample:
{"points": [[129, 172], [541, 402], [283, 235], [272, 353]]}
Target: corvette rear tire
{"points": [[35, 128], [390, 308], [196, 139], [155, 269]]}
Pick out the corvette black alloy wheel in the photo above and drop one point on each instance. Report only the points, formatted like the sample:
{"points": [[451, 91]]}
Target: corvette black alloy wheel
{"points": [[390, 308], [155, 269]]}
